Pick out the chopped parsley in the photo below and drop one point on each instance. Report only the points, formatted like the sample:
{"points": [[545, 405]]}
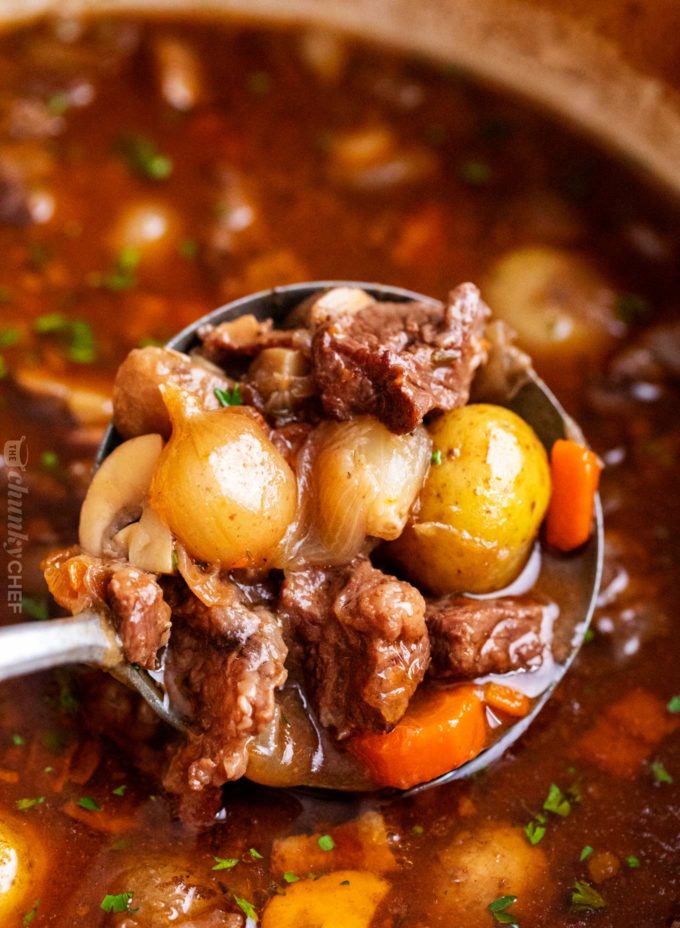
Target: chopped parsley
{"points": [[229, 397], [633, 862], [123, 275], [31, 914], [75, 333], [475, 173], [17, 740], [586, 852], [343, 883], [557, 802], [659, 772], [143, 158], [536, 829], [326, 843], [39, 255], [90, 804], [585, 896], [417, 830], [58, 103], [246, 907], [436, 456], [120, 790], [117, 902], [24, 804], [673, 705], [9, 337], [49, 460], [225, 863], [49, 323], [499, 909], [255, 854], [290, 877], [631, 308]]}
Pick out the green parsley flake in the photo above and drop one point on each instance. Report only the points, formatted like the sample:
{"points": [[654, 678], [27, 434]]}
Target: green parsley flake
{"points": [[87, 802], [119, 790], [475, 173], [24, 804], [49, 323], [143, 158], [417, 830], [659, 772], [31, 914], [75, 333], [290, 877], [123, 276], [9, 337], [344, 883], [535, 830], [225, 863], [556, 801], [118, 902], [673, 705], [17, 740], [49, 460], [35, 607], [326, 843], [631, 308], [229, 397], [436, 456], [585, 896], [246, 907], [58, 103], [255, 854], [586, 852], [499, 907], [633, 862], [39, 255]]}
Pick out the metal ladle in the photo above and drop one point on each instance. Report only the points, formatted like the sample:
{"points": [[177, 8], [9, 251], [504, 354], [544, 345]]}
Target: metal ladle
{"points": [[89, 638]]}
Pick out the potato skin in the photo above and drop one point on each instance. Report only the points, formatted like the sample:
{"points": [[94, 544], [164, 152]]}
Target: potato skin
{"points": [[481, 506]]}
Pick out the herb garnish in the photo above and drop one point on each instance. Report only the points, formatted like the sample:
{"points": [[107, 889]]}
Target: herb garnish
{"points": [[499, 909], [246, 907], [436, 456], [123, 275], [9, 337], [23, 804], [118, 902], [536, 829], [229, 397], [633, 862], [119, 790], [326, 843], [225, 863], [255, 854], [31, 914], [49, 460], [631, 308], [77, 334], [557, 802], [673, 705], [290, 877], [585, 896], [586, 852], [17, 740], [87, 802], [417, 830], [143, 158], [659, 772]]}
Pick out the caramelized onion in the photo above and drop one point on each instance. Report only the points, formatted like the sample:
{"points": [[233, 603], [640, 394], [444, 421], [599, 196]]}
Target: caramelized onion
{"points": [[221, 486], [355, 480]]}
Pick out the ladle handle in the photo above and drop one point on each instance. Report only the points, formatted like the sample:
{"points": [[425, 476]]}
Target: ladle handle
{"points": [[31, 646]]}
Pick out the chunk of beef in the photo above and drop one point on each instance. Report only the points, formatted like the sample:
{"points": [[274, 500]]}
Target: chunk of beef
{"points": [[140, 615], [474, 637], [223, 667], [399, 361], [246, 337], [363, 640], [138, 407], [134, 599]]}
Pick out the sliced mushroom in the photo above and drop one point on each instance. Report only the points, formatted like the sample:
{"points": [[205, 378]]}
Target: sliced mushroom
{"points": [[150, 544], [118, 492]]}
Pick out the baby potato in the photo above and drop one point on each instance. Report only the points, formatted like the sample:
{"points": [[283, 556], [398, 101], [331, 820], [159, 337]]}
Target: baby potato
{"points": [[22, 868], [482, 504], [561, 307], [345, 897]]}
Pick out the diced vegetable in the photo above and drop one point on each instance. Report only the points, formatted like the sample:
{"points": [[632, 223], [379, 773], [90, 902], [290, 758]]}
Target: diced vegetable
{"points": [[346, 897], [439, 732], [507, 700], [575, 473]]}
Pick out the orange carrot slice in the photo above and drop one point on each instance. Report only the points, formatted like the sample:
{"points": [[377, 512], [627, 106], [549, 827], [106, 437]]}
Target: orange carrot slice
{"points": [[507, 700], [575, 473], [439, 732]]}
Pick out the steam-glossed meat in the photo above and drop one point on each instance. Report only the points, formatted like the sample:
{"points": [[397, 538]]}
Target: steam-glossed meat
{"points": [[364, 643], [471, 638], [399, 361]]}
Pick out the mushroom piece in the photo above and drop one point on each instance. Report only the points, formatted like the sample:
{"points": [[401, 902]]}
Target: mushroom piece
{"points": [[150, 545], [117, 493]]}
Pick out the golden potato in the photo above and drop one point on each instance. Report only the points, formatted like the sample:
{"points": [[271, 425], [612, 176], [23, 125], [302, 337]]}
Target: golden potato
{"points": [[562, 308], [345, 897], [22, 871], [482, 504]]}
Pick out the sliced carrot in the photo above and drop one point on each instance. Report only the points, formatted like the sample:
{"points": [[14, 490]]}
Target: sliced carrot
{"points": [[8, 776], [575, 473], [101, 821], [439, 732], [507, 700]]}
